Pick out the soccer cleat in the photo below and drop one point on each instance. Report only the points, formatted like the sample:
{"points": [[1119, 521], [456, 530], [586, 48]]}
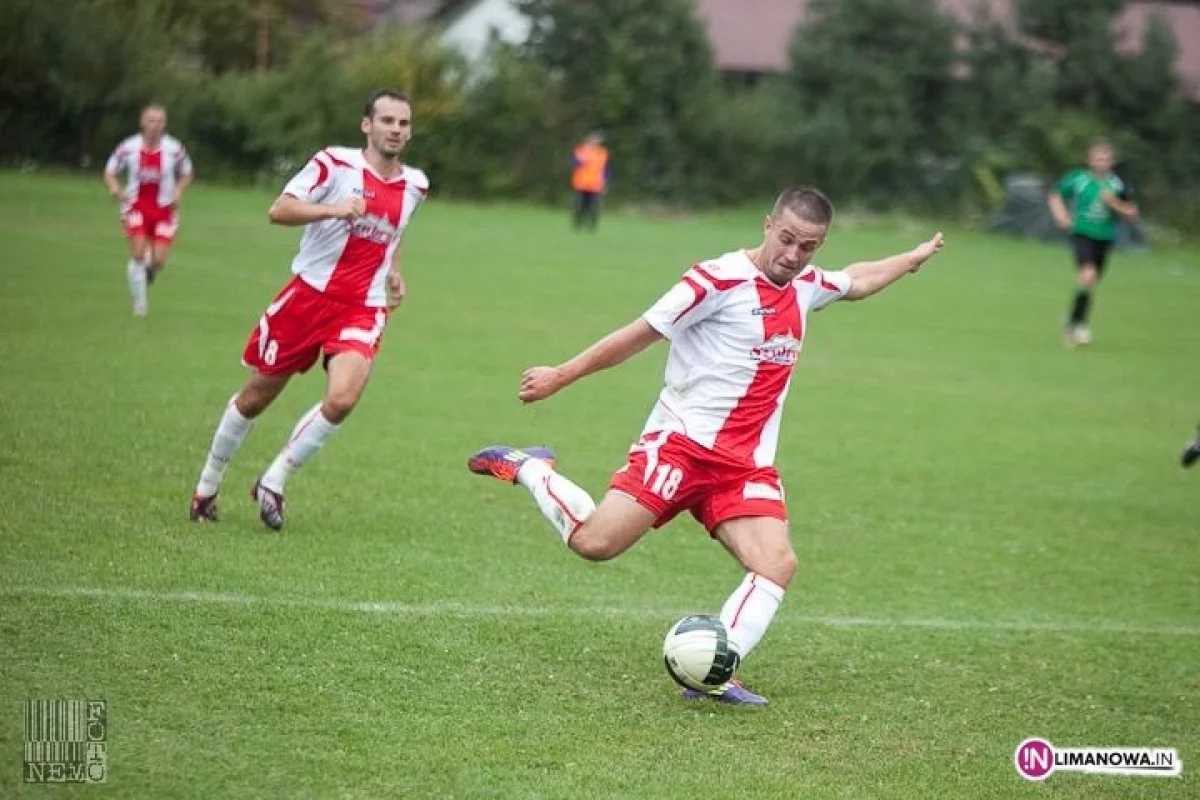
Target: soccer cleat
{"points": [[270, 505], [733, 693], [1191, 453], [504, 462], [204, 509]]}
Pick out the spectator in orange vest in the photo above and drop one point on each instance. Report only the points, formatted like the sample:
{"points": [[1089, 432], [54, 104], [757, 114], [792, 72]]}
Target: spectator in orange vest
{"points": [[589, 179]]}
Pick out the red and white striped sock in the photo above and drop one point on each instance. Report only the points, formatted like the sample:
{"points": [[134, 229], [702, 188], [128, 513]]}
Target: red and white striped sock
{"points": [[749, 610], [561, 502], [310, 433], [231, 432], [135, 270]]}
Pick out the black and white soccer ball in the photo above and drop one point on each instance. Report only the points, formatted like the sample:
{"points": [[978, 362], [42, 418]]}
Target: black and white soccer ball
{"points": [[698, 654]]}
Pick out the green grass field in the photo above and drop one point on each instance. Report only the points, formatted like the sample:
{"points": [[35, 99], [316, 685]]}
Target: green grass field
{"points": [[996, 538]]}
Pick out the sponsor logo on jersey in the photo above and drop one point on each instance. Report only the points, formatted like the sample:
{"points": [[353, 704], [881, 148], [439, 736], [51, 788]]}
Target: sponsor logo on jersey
{"points": [[764, 311], [373, 228], [779, 349]]}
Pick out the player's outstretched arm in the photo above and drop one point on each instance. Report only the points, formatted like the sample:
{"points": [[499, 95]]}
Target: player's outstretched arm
{"points": [[538, 383], [289, 210], [869, 277]]}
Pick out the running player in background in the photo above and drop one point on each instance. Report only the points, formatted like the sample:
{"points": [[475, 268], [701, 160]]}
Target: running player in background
{"points": [[1100, 198], [736, 325], [354, 206], [157, 171]]}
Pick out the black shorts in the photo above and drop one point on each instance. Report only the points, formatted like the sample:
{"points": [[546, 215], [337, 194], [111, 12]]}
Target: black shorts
{"points": [[1090, 251]]}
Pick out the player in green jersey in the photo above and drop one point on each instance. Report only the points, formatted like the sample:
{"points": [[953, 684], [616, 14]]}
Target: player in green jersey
{"points": [[1088, 204]]}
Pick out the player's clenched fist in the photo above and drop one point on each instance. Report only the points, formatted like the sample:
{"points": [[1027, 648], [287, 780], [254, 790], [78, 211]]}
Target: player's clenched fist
{"points": [[351, 208], [538, 383]]}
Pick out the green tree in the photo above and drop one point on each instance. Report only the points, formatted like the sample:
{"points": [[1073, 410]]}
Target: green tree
{"points": [[873, 79], [77, 71], [1081, 28], [507, 137], [222, 36], [640, 69]]}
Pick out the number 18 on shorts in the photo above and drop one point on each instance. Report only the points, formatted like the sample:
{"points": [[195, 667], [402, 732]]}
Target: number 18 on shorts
{"points": [[667, 473]]}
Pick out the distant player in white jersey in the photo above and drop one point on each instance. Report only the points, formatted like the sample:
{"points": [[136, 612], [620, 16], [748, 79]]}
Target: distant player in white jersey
{"points": [[156, 170], [736, 325], [354, 206]]}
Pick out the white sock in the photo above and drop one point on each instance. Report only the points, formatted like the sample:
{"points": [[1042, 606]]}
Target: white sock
{"points": [[230, 433], [749, 611], [136, 272], [563, 503], [308, 436]]}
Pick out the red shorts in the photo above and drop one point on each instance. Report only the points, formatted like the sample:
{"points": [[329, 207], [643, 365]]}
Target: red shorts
{"points": [[667, 474], [150, 222], [301, 322]]}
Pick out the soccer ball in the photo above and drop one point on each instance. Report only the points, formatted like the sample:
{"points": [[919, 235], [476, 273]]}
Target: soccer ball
{"points": [[698, 654]]}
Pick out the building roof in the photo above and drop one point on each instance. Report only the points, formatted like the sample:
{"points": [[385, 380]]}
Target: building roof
{"points": [[754, 35], [1183, 20]]}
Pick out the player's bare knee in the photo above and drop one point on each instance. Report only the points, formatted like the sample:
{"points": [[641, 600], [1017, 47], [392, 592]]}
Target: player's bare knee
{"points": [[338, 404], [258, 394], [250, 402], [591, 543], [777, 565], [784, 567]]}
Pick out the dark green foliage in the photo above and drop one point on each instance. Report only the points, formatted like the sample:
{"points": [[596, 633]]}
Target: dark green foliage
{"points": [[872, 79], [886, 102], [640, 70]]}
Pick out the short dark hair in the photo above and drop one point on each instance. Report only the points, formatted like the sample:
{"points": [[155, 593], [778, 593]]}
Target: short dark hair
{"points": [[379, 94], [806, 203]]}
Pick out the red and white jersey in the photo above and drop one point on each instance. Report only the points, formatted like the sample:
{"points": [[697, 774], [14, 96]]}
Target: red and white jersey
{"points": [[350, 260], [150, 175], [735, 338]]}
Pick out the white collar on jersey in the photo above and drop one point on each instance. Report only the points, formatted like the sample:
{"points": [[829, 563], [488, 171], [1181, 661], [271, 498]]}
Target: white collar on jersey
{"points": [[399, 176]]}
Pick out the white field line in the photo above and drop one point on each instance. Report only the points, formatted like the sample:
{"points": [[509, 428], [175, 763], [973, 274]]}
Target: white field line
{"points": [[467, 610]]}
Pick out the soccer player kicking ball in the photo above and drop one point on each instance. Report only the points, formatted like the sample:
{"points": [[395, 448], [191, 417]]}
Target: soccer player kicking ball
{"points": [[354, 206], [736, 326]]}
